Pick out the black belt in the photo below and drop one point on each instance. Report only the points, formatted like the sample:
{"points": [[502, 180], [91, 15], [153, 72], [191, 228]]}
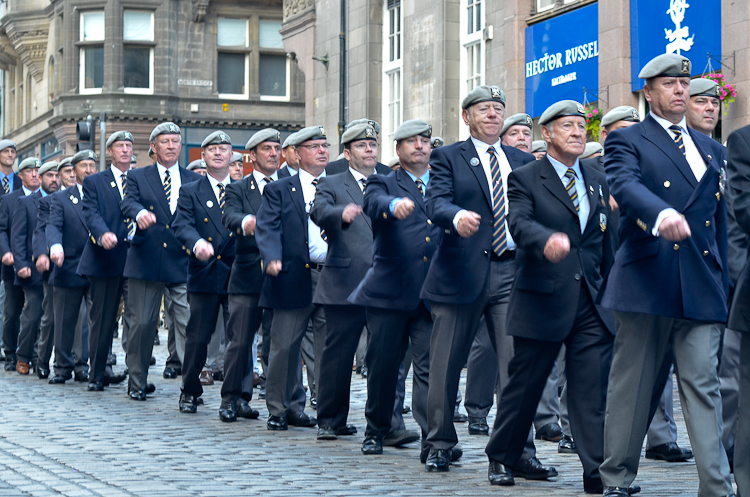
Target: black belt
{"points": [[318, 266], [505, 256]]}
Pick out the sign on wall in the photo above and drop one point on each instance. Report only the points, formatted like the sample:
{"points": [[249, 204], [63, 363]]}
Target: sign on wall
{"points": [[691, 28], [562, 57]]}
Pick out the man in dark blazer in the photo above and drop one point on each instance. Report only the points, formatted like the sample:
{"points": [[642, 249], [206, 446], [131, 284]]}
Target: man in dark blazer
{"points": [[342, 165], [338, 211], [669, 282], [27, 275], [9, 182], [404, 239], [156, 262], [293, 253], [559, 219], [13, 333], [243, 200], [211, 247], [104, 253], [472, 270], [67, 235]]}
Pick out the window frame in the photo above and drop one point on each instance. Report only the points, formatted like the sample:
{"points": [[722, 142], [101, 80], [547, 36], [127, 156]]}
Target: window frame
{"points": [[390, 68], [246, 50], [469, 43], [151, 44], [539, 8], [82, 45], [278, 52]]}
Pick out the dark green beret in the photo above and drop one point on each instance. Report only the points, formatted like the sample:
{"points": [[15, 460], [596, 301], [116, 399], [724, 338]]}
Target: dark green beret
{"points": [[668, 65], [372, 123], [119, 136], [621, 113], [264, 135], [83, 155], [358, 132], [563, 108], [483, 94], [164, 129], [704, 87], [306, 134], [520, 119], [30, 163], [413, 127]]}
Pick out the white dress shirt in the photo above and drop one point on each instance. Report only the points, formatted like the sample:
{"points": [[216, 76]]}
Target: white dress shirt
{"points": [[174, 195], [260, 179], [358, 177], [58, 247], [217, 192], [317, 247], [580, 186]]}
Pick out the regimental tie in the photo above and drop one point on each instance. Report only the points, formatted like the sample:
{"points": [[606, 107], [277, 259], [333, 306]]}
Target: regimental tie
{"points": [[363, 183], [571, 187], [6, 185], [221, 197], [499, 233], [420, 186], [678, 137], [322, 231], [131, 224], [168, 187], [267, 179]]}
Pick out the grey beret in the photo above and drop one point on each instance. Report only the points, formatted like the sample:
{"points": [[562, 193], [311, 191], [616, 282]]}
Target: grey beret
{"points": [[560, 109], [520, 119], [413, 127], [83, 155], [538, 146], [288, 140], [264, 135], [30, 163], [621, 113], [358, 132], [48, 166], [394, 161], [437, 142], [590, 149], [667, 65], [164, 129], [196, 164], [7, 144], [704, 87], [306, 134], [119, 136], [216, 138], [133, 159], [341, 156], [483, 94], [372, 123], [64, 163], [236, 157]]}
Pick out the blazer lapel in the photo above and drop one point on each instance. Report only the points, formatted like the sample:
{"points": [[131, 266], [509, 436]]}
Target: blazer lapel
{"points": [[75, 201], [592, 190], [653, 132], [407, 184], [206, 196], [295, 191], [157, 186], [469, 152], [109, 177], [551, 182], [355, 193], [252, 194]]}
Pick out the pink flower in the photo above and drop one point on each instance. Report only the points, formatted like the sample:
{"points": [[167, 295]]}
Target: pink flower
{"points": [[596, 111]]}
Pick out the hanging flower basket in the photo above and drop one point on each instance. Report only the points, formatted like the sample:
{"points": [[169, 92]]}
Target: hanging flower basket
{"points": [[593, 122], [727, 91]]}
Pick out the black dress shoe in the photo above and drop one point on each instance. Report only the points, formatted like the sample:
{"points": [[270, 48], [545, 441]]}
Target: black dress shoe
{"points": [[138, 395], [171, 373], [152, 362], [459, 417], [58, 380], [456, 453], [346, 431], [276, 423], [114, 379], [598, 488], [219, 376], [566, 445], [670, 452], [81, 376], [478, 426], [199, 401], [397, 438], [329, 434], [243, 409], [188, 404], [615, 492], [302, 420], [550, 432], [150, 388], [532, 469], [372, 447], [499, 474], [313, 402], [438, 460], [228, 411], [95, 386], [42, 372], [10, 365]]}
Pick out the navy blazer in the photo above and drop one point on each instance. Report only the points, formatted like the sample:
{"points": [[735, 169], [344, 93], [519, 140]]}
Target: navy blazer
{"points": [[199, 216], [39, 238], [544, 297], [459, 268], [281, 234], [102, 214], [401, 248], [349, 253], [67, 227], [17, 184], [155, 254], [7, 211], [647, 173], [21, 230]]}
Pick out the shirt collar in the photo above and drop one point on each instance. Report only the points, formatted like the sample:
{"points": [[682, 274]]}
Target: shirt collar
{"points": [[259, 176], [306, 178], [357, 175], [561, 168], [215, 181], [80, 189], [425, 177], [26, 191], [117, 172], [482, 146], [9, 176], [666, 124], [172, 170]]}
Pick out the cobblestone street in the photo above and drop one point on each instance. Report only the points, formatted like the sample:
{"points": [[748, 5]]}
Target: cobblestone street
{"points": [[62, 440]]}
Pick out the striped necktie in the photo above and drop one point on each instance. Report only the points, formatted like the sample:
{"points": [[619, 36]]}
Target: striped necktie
{"points": [[6, 185], [130, 223], [571, 187], [168, 187], [499, 234], [363, 183], [221, 197], [267, 179], [678, 137], [420, 186], [322, 231]]}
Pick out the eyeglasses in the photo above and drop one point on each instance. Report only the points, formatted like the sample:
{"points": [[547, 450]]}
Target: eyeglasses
{"points": [[315, 146], [368, 145]]}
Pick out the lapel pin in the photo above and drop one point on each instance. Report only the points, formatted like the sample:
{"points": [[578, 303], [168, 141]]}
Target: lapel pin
{"points": [[209, 204], [252, 186], [474, 161], [709, 157], [112, 184], [591, 190], [667, 184], [294, 189], [74, 199]]}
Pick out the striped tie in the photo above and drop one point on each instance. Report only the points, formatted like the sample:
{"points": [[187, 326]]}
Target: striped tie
{"points": [[363, 182], [267, 179], [571, 187], [131, 224], [420, 186], [499, 234], [322, 231], [678, 137], [221, 197], [6, 185], [168, 188]]}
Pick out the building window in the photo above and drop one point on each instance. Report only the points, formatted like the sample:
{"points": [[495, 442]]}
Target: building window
{"points": [[471, 63], [91, 52], [392, 94], [231, 67], [138, 51], [274, 68], [544, 5], [473, 66], [50, 149], [473, 16]]}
